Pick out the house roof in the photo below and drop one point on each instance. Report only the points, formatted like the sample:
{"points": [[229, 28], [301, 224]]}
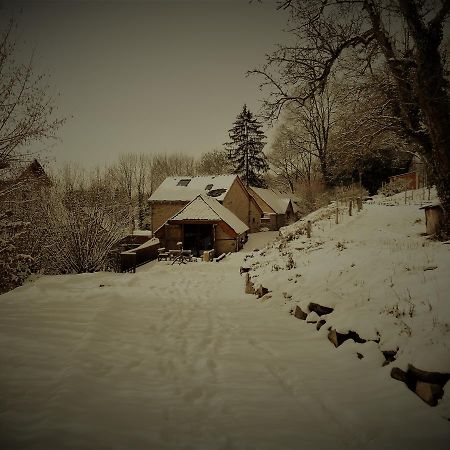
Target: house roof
{"points": [[188, 188], [290, 195], [34, 171], [278, 204], [207, 208]]}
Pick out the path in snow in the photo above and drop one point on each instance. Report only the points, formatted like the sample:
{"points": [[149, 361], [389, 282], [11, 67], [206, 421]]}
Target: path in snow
{"points": [[178, 357]]}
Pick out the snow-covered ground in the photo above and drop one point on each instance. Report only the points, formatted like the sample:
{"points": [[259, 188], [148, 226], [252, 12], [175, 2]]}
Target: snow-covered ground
{"points": [[178, 357]]}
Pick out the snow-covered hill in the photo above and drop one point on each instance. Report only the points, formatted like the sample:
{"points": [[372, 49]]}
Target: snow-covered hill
{"points": [[384, 279], [177, 357]]}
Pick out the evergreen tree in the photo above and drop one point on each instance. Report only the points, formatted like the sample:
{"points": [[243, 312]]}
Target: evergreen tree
{"points": [[245, 149]]}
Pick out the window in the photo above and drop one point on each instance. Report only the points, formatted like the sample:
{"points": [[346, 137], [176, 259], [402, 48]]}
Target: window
{"points": [[208, 187], [184, 182]]}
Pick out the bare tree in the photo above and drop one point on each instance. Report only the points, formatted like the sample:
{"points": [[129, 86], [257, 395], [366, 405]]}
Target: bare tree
{"points": [[26, 116], [214, 162], [314, 121], [368, 133], [26, 110], [143, 173], [85, 221], [136, 176], [403, 35], [175, 164], [290, 159]]}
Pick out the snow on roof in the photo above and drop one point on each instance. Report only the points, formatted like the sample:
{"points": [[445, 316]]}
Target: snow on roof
{"points": [[290, 195], [431, 205], [142, 233], [188, 188], [204, 207], [278, 204]]}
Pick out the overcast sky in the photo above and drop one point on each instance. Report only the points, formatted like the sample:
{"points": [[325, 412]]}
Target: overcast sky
{"points": [[147, 76]]}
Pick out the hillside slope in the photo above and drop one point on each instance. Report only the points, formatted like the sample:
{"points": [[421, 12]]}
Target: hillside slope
{"points": [[383, 278]]}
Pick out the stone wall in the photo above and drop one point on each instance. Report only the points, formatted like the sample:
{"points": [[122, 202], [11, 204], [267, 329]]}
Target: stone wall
{"points": [[163, 211]]}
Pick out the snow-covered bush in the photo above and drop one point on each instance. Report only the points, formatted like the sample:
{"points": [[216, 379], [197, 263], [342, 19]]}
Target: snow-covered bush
{"points": [[14, 265], [84, 224], [394, 187]]}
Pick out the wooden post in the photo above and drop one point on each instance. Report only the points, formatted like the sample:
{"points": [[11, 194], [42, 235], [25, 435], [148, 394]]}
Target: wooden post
{"points": [[308, 229], [337, 209], [350, 208], [359, 203]]}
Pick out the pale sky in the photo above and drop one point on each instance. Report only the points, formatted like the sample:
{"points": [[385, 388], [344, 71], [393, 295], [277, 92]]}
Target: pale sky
{"points": [[147, 76]]}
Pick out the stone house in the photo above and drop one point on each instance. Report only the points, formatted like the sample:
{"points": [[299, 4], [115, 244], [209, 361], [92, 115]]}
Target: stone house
{"points": [[175, 193], [278, 209], [203, 224]]}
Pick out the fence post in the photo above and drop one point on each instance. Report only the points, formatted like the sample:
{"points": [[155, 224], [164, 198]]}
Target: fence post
{"points": [[350, 207], [359, 203], [308, 229]]}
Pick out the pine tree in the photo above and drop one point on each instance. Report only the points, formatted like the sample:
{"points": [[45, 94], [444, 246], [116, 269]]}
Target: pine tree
{"points": [[245, 149]]}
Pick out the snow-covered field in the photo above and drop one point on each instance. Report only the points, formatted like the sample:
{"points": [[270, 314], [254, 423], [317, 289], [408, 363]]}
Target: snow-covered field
{"points": [[178, 357]]}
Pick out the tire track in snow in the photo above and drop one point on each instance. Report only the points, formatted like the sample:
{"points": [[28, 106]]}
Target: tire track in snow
{"points": [[191, 338]]}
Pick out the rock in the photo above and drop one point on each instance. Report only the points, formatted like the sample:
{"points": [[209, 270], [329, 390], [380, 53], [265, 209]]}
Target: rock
{"points": [[249, 287], [299, 313], [359, 355], [261, 291], [319, 309], [430, 393], [243, 270], [427, 385], [312, 317], [429, 377], [335, 338], [389, 356], [338, 338], [320, 324], [398, 374], [429, 268], [355, 336]]}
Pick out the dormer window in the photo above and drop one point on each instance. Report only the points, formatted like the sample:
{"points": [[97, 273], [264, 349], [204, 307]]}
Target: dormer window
{"points": [[184, 182], [208, 187]]}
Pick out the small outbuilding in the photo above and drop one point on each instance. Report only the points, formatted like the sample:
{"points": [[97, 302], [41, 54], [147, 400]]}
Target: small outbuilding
{"points": [[434, 218], [278, 210], [203, 224]]}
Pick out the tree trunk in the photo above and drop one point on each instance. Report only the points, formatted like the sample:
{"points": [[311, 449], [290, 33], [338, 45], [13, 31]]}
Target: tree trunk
{"points": [[430, 87], [434, 103]]}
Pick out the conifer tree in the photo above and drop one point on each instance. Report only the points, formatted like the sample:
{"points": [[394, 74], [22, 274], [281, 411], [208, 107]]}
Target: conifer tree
{"points": [[245, 149]]}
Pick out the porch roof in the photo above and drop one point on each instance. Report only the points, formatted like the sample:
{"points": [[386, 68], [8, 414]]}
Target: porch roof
{"points": [[209, 209]]}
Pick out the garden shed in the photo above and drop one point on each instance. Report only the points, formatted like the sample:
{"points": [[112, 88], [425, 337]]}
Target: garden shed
{"points": [[203, 224]]}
